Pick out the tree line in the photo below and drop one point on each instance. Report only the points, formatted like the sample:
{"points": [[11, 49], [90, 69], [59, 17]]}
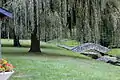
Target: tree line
{"points": [[95, 21]]}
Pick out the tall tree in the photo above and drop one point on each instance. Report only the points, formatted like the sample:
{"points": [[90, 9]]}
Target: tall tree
{"points": [[35, 40]]}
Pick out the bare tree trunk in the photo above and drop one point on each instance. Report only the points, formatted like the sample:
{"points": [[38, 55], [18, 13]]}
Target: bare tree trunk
{"points": [[35, 43], [16, 40]]}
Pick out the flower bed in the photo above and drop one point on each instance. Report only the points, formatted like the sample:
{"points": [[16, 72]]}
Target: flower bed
{"points": [[6, 69]]}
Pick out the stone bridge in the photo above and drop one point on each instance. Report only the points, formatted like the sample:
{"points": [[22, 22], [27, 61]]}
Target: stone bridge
{"points": [[90, 46]]}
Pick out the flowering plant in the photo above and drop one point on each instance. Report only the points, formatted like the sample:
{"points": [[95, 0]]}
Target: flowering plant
{"points": [[5, 66]]}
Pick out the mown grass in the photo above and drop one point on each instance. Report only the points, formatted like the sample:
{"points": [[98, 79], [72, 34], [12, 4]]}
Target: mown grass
{"points": [[37, 68], [114, 52], [56, 63], [66, 42], [70, 43]]}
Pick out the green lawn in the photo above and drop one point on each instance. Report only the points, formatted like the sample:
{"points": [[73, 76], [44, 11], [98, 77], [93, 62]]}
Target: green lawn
{"points": [[114, 52], [57, 64], [66, 42]]}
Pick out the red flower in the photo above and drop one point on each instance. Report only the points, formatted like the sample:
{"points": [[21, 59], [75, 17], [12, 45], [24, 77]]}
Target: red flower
{"points": [[5, 66]]}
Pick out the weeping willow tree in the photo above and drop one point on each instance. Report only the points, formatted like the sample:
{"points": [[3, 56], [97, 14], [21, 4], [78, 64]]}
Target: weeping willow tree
{"points": [[35, 40], [9, 27], [95, 21], [110, 22]]}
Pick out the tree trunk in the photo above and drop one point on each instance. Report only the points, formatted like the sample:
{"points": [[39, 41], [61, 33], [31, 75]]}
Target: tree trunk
{"points": [[16, 40], [35, 41]]}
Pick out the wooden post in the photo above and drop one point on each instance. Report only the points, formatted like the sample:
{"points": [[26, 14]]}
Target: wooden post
{"points": [[0, 39]]}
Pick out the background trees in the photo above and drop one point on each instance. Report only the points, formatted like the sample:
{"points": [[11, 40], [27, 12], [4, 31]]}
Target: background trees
{"points": [[94, 21]]}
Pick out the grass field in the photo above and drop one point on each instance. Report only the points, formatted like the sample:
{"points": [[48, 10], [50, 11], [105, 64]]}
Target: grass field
{"points": [[56, 63], [114, 52], [66, 42]]}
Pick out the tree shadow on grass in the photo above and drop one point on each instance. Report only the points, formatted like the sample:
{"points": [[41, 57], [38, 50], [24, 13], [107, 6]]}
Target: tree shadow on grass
{"points": [[62, 55], [28, 46], [9, 45], [56, 55], [38, 54], [47, 51]]}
